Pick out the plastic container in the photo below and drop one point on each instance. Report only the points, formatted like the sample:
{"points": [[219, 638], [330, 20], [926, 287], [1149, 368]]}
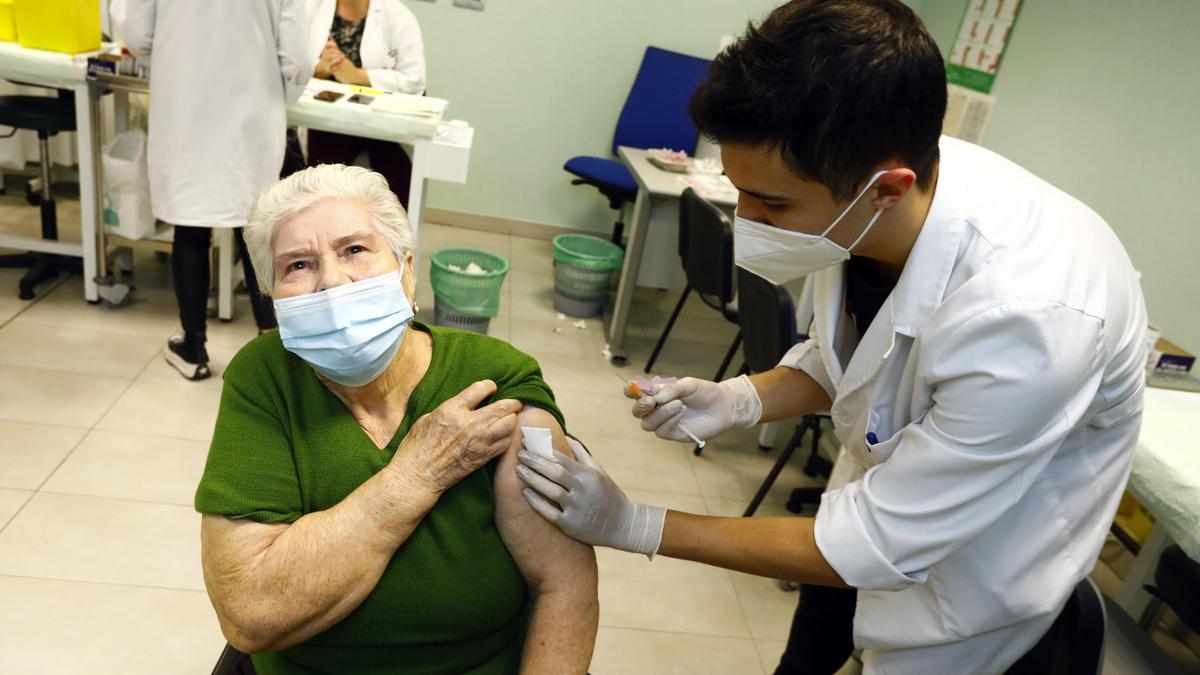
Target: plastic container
{"points": [[448, 318], [8, 22], [462, 299], [70, 26], [583, 266]]}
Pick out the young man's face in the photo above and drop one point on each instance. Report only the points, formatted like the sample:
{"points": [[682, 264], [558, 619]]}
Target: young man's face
{"points": [[770, 192]]}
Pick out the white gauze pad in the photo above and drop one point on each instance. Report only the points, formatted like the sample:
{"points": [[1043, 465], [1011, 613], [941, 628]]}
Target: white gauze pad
{"points": [[537, 441]]}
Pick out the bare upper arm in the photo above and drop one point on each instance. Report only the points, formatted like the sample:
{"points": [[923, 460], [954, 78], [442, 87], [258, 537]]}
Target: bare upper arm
{"points": [[229, 550], [542, 552]]}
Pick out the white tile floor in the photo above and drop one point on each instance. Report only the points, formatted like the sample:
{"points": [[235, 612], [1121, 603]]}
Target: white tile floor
{"points": [[101, 445]]}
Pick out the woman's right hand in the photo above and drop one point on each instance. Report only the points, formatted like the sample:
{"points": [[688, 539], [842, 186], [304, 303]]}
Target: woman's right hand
{"points": [[446, 445]]}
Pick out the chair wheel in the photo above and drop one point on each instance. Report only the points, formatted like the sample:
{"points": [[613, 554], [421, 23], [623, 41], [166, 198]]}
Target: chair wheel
{"points": [[765, 448], [795, 505], [25, 294], [697, 450], [33, 198], [160, 256]]}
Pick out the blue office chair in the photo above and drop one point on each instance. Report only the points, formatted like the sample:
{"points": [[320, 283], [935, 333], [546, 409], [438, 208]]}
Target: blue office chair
{"points": [[655, 116]]}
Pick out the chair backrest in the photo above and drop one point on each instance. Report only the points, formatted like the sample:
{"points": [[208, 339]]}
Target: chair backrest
{"points": [[655, 114], [1074, 645], [706, 247], [1177, 582], [767, 316]]}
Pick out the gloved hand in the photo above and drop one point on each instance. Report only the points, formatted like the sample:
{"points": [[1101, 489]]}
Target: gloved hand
{"points": [[707, 409], [590, 506]]}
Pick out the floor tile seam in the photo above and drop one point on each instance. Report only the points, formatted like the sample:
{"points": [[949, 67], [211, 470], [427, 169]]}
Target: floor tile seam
{"points": [[25, 308], [747, 637], [29, 497], [103, 582], [133, 500], [74, 447]]}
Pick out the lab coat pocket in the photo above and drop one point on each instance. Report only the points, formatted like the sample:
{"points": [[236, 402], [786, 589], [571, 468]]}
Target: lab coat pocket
{"points": [[879, 441]]}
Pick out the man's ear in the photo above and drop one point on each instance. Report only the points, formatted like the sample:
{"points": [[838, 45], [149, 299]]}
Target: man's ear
{"points": [[892, 186]]}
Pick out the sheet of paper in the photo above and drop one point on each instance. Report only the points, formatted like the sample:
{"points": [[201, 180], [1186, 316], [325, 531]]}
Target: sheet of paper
{"points": [[538, 441]]}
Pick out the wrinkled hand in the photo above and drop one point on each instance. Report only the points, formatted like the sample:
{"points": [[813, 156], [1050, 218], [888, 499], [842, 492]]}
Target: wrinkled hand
{"points": [[446, 445], [707, 409], [590, 506]]}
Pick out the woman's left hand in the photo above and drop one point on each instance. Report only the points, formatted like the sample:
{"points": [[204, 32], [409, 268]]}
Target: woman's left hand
{"points": [[591, 508], [346, 72]]}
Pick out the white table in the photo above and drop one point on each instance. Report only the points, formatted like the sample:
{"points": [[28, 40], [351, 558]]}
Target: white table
{"points": [[62, 71], [434, 155], [657, 200], [1166, 480]]}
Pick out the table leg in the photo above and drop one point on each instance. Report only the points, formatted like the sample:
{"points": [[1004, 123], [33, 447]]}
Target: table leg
{"points": [[416, 186], [120, 111], [1131, 597], [629, 276], [224, 273], [87, 139]]}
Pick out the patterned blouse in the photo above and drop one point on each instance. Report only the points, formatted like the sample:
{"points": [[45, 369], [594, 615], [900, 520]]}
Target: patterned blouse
{"points": [[348, 37]]}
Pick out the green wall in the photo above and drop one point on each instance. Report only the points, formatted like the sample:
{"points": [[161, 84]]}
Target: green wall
{"points": [[1100, 97]]}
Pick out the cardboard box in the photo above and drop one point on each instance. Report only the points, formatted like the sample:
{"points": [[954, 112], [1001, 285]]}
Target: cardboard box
{"points": [[1170, 356]]}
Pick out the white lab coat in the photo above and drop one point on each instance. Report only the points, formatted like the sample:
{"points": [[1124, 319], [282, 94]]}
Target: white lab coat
{"points": [[392, 51], [1002, 381], [222, 73]]}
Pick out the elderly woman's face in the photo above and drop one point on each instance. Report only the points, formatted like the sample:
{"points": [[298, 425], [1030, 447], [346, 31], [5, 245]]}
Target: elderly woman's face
{"points": [[332, 244]]}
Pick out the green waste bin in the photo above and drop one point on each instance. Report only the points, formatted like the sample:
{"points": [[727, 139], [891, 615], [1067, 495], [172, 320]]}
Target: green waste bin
{"points": [[463, 299], [582, 268]]}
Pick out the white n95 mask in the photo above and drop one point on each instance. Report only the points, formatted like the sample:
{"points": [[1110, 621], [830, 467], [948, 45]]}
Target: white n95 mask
{"points": [[349, 334], [780, 255]]}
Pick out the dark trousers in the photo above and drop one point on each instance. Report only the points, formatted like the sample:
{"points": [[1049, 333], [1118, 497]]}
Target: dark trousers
{"points": [[822, 635], [192, 276], [386, 157]]}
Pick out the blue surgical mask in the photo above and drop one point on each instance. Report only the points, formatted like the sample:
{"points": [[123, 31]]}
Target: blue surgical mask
{"points": [[348, 334]]}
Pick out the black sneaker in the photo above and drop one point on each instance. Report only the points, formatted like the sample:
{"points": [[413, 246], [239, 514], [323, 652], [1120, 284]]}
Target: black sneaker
{"points": [[186, 353]]}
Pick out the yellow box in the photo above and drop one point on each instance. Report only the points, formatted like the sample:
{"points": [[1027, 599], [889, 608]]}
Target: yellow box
{"points": [[8, 22], [70, 26]]}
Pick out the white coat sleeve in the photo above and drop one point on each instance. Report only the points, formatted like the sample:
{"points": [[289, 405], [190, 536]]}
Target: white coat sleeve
{"points": [[295, 63], [1008, 385], [405, 45], [133, 23], [806, 356]]}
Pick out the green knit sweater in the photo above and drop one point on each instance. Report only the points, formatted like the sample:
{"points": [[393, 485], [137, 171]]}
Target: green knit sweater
{"points": [[451, 600]]}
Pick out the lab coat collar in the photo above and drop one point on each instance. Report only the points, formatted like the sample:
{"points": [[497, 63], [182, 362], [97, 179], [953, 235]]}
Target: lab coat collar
{"points": [[922, 284], [829, 290]]}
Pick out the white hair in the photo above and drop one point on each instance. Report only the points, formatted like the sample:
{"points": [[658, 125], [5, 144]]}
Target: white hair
{"points": [[284, 201]]}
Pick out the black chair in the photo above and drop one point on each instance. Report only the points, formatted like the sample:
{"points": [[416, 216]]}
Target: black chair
{"points": [[233, 662], [47, 116], [769, 331], [655, 116], [706, 249], [1074, 645], [1176, 585]]}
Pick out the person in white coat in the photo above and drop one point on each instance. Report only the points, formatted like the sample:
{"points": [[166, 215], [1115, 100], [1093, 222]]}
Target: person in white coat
{"points": [[978, 340], [217, 122], [371, 43]]}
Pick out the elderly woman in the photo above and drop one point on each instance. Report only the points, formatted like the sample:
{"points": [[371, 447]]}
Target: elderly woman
{"points": [[361, 508]]}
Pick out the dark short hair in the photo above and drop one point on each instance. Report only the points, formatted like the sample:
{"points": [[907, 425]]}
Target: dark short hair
{"points": [[838, 86]]}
